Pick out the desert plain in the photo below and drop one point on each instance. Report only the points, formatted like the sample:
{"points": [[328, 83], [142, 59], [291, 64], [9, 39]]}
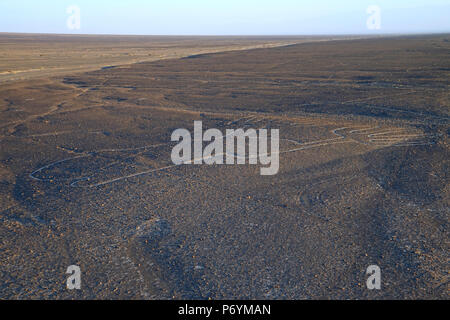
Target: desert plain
{"points": [[86, 176]]}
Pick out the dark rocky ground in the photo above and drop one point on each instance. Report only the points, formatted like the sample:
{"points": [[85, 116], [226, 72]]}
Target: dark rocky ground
{"points": [[378, 193]]}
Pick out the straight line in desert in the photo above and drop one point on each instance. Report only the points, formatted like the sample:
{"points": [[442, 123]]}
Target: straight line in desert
{"points": [[42, 72]]}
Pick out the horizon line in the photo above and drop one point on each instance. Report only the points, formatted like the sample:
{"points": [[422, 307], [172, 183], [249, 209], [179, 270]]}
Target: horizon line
{"points": [[234, 35]]}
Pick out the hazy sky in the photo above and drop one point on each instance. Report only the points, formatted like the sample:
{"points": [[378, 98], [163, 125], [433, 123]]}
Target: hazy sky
{"points": [[226, 17]]}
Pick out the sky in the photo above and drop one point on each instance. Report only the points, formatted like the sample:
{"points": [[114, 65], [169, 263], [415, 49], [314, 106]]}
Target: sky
{"points": [[226, 17]]}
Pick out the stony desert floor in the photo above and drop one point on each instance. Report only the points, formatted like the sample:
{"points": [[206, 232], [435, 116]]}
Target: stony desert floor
{"points": [[25, 56], [86, 176]]}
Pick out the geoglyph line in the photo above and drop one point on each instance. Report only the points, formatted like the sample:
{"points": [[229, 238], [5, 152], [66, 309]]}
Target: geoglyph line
{"points": [[382, 139]]}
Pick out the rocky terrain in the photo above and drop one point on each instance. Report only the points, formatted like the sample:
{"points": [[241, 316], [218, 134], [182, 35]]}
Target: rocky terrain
{"points": [[86, 176]]}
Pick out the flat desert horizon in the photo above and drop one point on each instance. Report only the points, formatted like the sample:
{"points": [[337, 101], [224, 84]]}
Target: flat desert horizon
{"points": [[87, 177]]}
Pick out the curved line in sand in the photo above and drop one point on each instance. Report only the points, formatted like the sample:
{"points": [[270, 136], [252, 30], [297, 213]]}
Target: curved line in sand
{"points": [[386, 139]]}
